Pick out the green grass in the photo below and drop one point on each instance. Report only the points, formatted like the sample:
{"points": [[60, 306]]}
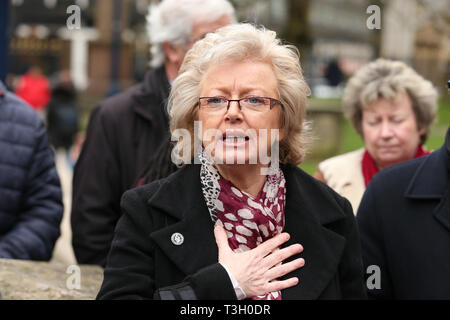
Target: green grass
{"points": [[351, 140], [443, 116], [309, 166]]}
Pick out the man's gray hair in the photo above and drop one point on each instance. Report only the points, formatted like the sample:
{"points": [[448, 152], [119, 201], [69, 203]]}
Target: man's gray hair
{"points": [[172, 21]]}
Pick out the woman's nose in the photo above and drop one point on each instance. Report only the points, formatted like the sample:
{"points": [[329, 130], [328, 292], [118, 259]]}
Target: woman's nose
{"points": [[234, 111], [386, 130]]}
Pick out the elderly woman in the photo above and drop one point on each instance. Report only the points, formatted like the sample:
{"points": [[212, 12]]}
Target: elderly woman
{"points": [[392, 108], [224, 228]]}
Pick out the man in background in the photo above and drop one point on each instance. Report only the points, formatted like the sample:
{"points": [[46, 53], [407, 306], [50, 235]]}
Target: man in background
{"points": [[125, 131]]}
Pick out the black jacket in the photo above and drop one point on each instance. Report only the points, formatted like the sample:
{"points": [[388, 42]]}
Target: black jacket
{"points": [[62, 116], [144, 263], [404, 220], [123, 133]]}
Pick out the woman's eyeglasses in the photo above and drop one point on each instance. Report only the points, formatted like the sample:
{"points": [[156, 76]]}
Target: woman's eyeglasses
{"points": [[259, 104]]}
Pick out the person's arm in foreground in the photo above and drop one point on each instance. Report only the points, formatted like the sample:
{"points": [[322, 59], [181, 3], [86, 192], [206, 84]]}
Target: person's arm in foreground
{"points": [[37, 228]]}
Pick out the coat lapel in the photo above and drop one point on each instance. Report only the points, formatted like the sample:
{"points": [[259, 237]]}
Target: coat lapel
{"points": [[184, 202], [431, 177], [306, 214], [442, 211], [430, 182], [322, 251]]}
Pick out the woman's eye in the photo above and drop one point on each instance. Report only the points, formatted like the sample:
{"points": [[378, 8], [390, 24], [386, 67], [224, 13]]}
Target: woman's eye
{"points": [[215, 100], [372, 122], [255, 100]]}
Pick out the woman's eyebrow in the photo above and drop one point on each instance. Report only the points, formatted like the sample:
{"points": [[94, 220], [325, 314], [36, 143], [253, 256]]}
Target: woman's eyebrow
{"points": [[242, 90]]}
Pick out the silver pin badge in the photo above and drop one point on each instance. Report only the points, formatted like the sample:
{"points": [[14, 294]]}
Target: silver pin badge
{"points": [[177, 239]]}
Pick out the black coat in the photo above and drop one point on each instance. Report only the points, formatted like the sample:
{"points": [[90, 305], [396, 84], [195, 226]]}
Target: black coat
{"points": [[144, 263], [123, 133], [62, 116], [404, 220]]}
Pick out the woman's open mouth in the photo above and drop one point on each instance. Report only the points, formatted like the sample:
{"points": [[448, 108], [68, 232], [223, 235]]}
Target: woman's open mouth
{"points": [[235, 138]]}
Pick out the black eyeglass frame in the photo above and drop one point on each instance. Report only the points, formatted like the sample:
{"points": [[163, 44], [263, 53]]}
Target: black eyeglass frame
{"points": [[273, 102]]}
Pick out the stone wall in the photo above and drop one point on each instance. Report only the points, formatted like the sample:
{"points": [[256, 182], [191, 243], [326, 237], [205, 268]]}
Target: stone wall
{"points": [[29, 280], [326, 120]]}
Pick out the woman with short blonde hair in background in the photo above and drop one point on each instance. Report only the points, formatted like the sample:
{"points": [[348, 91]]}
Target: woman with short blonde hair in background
{"points": [[392, 107]]}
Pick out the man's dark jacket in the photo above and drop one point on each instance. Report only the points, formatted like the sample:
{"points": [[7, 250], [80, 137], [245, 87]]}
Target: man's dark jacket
{"points": [[123, 133], [31, 205], [404, 221], [144, 263]]}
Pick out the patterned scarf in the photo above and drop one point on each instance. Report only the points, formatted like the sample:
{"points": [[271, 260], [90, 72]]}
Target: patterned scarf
{"points": [[248, 221]]}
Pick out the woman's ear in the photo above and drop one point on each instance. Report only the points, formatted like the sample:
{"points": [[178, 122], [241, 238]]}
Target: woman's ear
{"points": [[169, 50], [422, 131]]}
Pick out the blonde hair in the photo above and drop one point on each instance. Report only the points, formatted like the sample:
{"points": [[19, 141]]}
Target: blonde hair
{"points": [[387, 79], [244, 42]]}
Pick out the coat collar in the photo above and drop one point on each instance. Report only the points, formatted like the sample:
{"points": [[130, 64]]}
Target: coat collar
{"points": [[431, 181], [308, 212], [431, 178], [345, 164], [153, 90]]}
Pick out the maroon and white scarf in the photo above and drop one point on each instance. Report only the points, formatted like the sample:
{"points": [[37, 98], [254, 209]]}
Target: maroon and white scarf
{"points": [[248, 221]]}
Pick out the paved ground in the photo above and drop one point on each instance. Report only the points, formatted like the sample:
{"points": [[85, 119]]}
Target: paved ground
{"points": [[63, 252]]}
